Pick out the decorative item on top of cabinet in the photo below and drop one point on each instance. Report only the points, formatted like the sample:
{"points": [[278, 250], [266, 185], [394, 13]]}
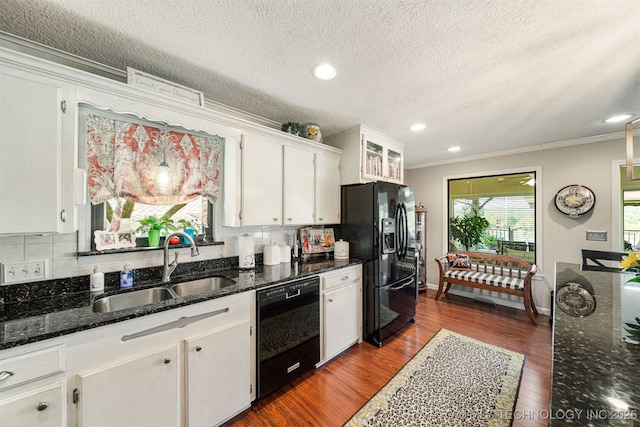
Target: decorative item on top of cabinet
{"points": [[291, 127], [368, 156], [312, 132]]}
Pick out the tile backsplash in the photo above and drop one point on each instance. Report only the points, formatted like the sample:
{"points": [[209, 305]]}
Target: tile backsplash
{"points": [[60, 250]]}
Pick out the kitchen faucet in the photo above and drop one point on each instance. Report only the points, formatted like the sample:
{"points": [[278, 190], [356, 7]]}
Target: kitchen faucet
{"points": [[168, 268]]}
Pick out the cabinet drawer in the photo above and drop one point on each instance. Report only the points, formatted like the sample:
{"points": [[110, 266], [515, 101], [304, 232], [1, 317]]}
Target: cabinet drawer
{"points": [[341, 277], [28, 367]]}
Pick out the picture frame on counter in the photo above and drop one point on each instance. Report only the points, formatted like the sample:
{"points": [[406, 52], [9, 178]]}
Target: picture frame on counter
{"points": [[317, 240], [114, 240]]}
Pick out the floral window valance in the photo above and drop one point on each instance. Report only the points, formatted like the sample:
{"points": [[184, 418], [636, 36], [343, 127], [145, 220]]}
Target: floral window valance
{"points": [[123, 158]]}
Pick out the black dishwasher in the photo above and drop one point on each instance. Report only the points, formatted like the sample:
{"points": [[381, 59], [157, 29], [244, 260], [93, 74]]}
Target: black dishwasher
{"points": [[288, 332]]}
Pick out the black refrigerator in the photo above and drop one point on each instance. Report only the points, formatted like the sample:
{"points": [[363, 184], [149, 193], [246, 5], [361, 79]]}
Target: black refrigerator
{"points": [[378, 221]]}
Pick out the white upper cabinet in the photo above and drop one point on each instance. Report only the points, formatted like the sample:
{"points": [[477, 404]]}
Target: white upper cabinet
{"points": [[368, 156], [298, 186], [280, 180], [38, 161], [327, 189], [261, 180]]}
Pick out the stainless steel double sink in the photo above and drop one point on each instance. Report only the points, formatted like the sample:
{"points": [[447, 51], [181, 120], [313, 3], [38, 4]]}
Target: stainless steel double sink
{"points": [[138, 298]]}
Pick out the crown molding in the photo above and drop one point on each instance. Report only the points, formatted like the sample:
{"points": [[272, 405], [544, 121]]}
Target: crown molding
{"points": [[528, 149], [39, 50]]}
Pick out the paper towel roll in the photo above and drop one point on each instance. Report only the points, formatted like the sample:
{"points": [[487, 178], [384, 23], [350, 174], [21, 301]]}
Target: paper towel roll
{"points": [[246, 252], [341, 249]]}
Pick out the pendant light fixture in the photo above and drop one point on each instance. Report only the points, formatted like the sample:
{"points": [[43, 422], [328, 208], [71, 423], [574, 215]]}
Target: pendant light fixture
{"points": [[629, 149], [163, 173]]}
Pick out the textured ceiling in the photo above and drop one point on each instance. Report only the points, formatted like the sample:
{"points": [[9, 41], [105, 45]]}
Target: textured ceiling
{"points": [[488, 75]]}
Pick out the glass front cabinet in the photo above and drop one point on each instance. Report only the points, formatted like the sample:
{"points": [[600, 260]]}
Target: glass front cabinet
{"points": [[368, 156]]}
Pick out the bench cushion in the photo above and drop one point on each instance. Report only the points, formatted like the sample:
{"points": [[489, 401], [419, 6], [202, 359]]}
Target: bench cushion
{"points": [[486, 278]]}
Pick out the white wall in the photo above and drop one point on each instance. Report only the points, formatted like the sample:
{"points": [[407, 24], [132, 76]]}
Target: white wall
{"points": [[561, 238]]}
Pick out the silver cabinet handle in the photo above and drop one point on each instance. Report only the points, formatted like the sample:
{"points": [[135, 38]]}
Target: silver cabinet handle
{"points": [[167, 361], [5, 374], [345, 278], [63, 215], [180, 323], [42, 406], [289, 219], [198, 348], [330, 299], [275, 219]]}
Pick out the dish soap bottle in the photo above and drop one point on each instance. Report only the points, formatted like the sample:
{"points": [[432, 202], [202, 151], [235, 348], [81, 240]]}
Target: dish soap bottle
{"points": [[126, 276], [96, 280]]}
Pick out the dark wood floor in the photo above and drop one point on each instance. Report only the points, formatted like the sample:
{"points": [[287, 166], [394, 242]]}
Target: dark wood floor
{"points": [[331, 394]]}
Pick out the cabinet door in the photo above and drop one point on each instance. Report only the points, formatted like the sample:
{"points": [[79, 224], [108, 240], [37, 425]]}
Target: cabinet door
{"points": [[373, 159], [298, 186], [143, 391], [42, 407], [394, 166], [327, 189], [218, 375], [261, 181], [36, 170], [341, 319], [382, 159]]}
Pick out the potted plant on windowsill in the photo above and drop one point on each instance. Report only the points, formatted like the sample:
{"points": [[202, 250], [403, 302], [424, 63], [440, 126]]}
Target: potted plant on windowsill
{"points": [[154, 225], [189, 226]]}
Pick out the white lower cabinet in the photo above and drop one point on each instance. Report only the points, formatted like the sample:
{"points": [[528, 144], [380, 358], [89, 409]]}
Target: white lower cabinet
{"points": [[143, 391], [217, 378], [184, 367], [39, 407], [341, 310]]}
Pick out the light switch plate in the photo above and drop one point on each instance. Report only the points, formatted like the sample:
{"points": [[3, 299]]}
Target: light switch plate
{"points": [[600, 236]]}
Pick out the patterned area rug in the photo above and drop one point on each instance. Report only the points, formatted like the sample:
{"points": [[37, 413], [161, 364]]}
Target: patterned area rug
{"points": [[452, 381]]}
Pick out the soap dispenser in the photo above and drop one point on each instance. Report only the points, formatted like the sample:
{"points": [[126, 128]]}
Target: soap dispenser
{"points": [[126, 276], [96, 280]]}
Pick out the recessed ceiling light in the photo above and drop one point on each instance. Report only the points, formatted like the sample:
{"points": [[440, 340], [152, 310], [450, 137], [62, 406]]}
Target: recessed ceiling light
{"points": [[417, 127], [325, 72], [454, 148], [618, 118]]}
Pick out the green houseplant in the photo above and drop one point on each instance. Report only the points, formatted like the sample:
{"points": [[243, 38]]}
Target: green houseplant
{"points": [[155, 225], [189, 226], [469, 228]]}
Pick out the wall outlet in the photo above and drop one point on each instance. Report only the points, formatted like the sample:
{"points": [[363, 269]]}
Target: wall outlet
{"points": [[24, 271], [600, 236]]}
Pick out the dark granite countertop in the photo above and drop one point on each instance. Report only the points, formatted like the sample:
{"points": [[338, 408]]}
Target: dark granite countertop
{"points": [[595, 373], [42, 310]]}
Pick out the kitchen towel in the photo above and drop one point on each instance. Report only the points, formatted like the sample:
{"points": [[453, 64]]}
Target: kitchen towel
{"points": [[246, 252]]}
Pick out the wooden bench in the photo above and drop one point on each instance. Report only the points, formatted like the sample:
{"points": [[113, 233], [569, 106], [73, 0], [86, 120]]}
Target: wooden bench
{"points": [[491, 272]]}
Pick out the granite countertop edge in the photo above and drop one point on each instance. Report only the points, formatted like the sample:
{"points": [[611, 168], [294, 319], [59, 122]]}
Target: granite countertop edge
{"points": [[72, 312]]}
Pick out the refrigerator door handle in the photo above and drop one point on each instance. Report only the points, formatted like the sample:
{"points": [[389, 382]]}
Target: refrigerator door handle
{"points": [[406, 228], [402, 229], [402, 284]]}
